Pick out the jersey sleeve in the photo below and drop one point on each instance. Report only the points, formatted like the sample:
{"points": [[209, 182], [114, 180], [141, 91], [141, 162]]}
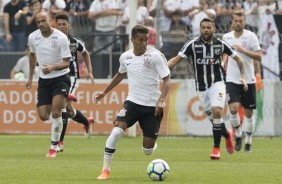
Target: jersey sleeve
{"points": [[227, 49], [31, 44], [65, 49], [186, 50], [161, 65], [80, 46], [255, 46], [122, 67]]}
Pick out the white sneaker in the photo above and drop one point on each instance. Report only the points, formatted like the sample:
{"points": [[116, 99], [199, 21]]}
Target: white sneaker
{"points": [[60, 147]]}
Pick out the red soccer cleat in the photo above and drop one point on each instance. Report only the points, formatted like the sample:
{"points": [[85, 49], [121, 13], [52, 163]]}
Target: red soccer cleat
{"points": [[215, 155], [229, 143], [51, 153], [105, 174]]}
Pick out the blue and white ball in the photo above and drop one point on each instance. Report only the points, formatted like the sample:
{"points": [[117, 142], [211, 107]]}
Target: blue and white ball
{"points": [[158, 170]]}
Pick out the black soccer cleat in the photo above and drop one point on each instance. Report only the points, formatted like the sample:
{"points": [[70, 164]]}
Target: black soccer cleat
{"points": [[248, 148], [238, 143]]}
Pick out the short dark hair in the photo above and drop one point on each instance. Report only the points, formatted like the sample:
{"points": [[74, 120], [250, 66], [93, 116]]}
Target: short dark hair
{"points": [[139, 29], [62, 16], [207, 20], [239, 14]]}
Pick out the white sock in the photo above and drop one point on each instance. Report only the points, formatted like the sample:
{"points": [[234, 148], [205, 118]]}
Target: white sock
{"points": [[111, 146], [235, 123], [56, 129], [249, 122]]}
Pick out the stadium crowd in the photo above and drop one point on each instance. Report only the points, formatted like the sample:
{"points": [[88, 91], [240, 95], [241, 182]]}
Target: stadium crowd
{"points": [[178, 19]]}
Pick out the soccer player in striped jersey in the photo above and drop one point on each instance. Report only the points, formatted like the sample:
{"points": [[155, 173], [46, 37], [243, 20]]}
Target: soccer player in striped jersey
{"points": [[247, 45], [206, 52], [62, 24]]}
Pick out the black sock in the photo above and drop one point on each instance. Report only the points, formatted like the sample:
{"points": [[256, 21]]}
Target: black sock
{"points": [[80, 118], [216, 129], [65, 124], [224, 131]]}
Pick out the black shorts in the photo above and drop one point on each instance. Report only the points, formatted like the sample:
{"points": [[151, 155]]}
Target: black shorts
{"points": [[236, 93], [149, 123], [48, 88]]}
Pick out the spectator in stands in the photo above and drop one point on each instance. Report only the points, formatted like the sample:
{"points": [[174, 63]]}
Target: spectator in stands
{"points": [[53, 7], [3, 44], [199, 14], [142, 12], [78, 15], [15, 24], [35, 7], [251, 18], [104, 13], [149, 23], [23, 66], [178, 34]]}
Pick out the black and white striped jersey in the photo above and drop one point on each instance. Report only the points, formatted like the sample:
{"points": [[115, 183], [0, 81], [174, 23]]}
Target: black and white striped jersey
{"points": [[207, 60], [76, 45]]}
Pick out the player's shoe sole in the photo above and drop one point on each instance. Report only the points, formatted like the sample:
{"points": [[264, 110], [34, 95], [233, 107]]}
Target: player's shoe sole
{"points": [[72, 97], [215, 155], [105, 174], [88, 129]]}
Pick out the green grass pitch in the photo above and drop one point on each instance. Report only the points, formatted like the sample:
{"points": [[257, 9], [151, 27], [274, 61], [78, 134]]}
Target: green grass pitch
{"points": [[22, 161]]}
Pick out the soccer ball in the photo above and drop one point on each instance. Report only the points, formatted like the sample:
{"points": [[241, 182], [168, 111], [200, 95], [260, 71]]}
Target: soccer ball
{"points": [[158, 170]]}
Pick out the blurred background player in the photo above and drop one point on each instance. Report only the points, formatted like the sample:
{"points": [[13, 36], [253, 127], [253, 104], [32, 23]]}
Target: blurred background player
{"points": [[62, 24], [206, 52], [23, 66], [247, 45], [143, 65]]}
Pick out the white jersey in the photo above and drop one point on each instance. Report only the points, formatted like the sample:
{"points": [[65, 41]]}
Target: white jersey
{"points": [[50, 50], [144, 73], [247, 40]]}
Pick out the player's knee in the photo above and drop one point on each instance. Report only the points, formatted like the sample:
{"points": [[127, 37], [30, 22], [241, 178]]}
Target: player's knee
{"points": [[149, 151], [43, 117], [216, 112]]}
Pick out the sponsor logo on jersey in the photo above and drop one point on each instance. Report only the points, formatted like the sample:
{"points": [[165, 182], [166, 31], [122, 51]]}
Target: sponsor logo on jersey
{"points": [[54, 37], [128, 57], [207, 61]]}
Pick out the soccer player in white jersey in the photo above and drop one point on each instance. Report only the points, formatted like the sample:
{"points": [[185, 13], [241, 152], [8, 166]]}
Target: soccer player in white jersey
{"points": [[206, 52], [50, 48], [247, 45], [144, 66]]}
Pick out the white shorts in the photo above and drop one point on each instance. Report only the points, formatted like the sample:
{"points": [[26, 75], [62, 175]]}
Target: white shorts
{"points": [[74, 84], [214, 96]]}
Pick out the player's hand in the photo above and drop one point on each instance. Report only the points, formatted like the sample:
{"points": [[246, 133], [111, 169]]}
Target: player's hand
{"points": [[91, 77], [28, 84], [159, 107], [238, 48], [259, 84], [47, 69], [245, 85], [98, 96]]}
